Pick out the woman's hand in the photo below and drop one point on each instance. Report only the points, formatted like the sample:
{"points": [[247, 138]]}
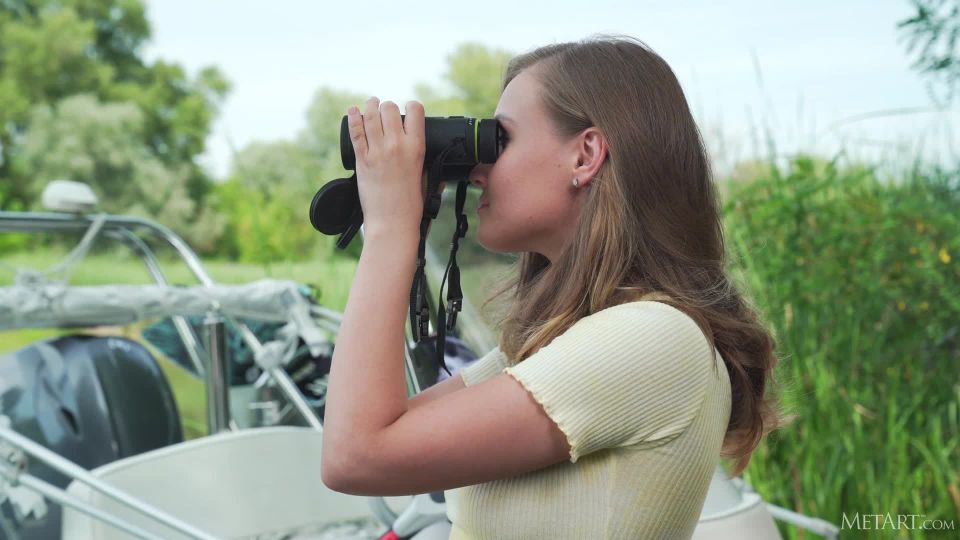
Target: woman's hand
{"points": [[390, 168]]}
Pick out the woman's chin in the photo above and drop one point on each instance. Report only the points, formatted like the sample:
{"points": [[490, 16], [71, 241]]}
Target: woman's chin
{"points": [[495, 244], [485, 239]]}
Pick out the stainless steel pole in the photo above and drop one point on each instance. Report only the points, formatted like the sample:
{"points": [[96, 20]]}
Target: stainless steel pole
{"points": [[217, 374], [289, 388], [63, 498]]}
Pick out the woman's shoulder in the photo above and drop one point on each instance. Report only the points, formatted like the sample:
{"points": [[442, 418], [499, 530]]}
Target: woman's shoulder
{"points": [[655, 301], [655, 311]]}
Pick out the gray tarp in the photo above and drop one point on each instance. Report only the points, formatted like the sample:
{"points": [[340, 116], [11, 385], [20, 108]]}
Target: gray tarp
{"points": [[56, 305]]}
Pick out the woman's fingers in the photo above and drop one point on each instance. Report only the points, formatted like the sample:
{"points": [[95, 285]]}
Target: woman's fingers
{"points": [[380, 127], [413, 121], [371, 123], [392, 126], [357, 135]]}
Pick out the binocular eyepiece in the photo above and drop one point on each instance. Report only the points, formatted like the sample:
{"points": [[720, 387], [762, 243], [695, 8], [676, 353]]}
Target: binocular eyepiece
{"points": [[460, 143]]}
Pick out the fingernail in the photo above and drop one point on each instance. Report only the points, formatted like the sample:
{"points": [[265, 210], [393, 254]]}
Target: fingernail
{"points": [[353, 110]]}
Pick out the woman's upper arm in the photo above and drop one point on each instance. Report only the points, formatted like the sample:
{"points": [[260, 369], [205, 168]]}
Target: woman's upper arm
{"points": [[491, 430], [442, 388]]}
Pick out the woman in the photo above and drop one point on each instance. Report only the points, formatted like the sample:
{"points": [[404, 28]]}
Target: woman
{"points": [[627, 365]]}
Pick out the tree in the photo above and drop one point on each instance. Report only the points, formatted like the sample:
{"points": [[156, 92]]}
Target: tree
{"points": [[266, 198], [935, 29], [474, 74], [52, 50], [100, 144], [321, 137], [264, 166]]}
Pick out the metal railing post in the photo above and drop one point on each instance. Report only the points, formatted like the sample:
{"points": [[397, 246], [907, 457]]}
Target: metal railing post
{"points": [[217, 374]]}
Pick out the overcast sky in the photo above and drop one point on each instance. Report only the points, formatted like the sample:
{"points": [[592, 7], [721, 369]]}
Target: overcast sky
{"points": [[820, 63]]}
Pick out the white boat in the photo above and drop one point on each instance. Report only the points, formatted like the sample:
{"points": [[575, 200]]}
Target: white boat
{"points": [[256, 475]]}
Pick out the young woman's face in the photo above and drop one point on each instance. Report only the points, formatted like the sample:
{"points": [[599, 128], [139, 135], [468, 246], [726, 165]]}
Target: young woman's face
{"points": [[531, 204]]}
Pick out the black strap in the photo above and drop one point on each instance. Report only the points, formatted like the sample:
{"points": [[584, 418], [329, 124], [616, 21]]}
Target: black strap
{"points": [[419, 309], [448, 319]]}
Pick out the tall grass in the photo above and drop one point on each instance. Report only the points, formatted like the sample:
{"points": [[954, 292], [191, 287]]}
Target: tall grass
{"points": [[860, 280]]}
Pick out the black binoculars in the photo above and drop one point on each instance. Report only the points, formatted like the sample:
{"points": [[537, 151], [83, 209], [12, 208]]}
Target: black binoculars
{"points": [[454, 145]]}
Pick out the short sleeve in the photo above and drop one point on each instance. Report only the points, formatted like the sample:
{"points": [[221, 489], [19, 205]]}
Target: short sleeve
{"points": [[628, 374], [483, 368]]}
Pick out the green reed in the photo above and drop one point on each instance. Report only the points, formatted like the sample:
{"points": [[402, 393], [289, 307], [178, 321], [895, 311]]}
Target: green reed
{"points": [[859, 278]]}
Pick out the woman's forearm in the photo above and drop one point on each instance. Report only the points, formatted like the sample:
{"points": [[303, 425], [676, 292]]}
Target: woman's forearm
{"points": [[367, 386]]}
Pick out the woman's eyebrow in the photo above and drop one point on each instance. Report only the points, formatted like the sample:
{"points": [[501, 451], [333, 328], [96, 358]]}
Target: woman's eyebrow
{"points": [[503, 118]]}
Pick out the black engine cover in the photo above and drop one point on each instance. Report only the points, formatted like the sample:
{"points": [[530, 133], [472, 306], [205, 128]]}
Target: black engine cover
{"points": [[92, 400]]}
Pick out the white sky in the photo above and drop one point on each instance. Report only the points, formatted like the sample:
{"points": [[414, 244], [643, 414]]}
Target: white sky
{"points": [[820, 62]]}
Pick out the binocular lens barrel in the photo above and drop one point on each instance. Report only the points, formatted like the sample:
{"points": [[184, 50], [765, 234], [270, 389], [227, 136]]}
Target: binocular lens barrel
{"points": [[335, 209], [480, 141]]}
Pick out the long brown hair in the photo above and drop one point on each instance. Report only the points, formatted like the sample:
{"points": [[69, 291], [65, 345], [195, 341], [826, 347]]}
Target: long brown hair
{"points": [[651, 224]]}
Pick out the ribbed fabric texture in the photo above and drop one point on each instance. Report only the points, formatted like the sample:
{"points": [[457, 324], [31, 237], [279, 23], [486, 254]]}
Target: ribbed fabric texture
{"points": [[644, 403]]}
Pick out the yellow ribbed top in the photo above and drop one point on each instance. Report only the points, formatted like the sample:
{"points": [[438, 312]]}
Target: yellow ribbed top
{"points": [[644, 403]]}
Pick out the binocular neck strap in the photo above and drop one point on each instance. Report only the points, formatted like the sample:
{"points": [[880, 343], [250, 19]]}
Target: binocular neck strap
{"points": [[419, 309], [447, 319]]}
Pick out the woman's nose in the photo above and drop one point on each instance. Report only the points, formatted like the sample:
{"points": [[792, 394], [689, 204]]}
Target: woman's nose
{"points": [[478, 175]]}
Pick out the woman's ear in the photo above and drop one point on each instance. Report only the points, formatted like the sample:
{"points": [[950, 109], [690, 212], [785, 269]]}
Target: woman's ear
{"points": [[592, 151]]}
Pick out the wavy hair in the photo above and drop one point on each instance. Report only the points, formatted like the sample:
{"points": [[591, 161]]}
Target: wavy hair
{"points": [[651, 224]]}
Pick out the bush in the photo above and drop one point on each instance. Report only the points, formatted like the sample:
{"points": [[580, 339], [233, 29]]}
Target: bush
{"points": [[265, 229]]}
